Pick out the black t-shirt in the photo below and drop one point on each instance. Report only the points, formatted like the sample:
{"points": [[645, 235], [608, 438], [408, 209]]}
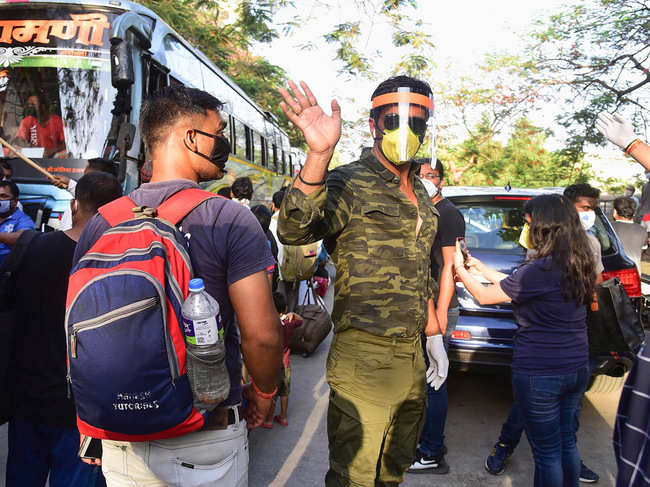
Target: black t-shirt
{"points": [[39, 359], [450, 226]]}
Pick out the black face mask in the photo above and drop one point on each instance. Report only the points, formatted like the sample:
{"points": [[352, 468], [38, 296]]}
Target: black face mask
{"points": [[220, 149]]}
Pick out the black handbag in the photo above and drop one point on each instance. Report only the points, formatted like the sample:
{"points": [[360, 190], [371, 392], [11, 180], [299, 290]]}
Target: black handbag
{"points": [[8, 319], [615, 326]]}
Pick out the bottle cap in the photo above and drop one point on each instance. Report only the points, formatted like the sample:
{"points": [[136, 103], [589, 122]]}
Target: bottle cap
{"points": [[196, 285]]}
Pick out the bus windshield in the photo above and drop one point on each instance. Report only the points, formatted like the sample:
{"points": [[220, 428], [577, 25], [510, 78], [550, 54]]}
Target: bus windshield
{"points": [[55, 83]]}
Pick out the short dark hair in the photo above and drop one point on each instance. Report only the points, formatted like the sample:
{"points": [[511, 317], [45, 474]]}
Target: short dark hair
{"points": [[581, 190], [242, 188], [280, 302], [12, 186], [263, 215], [168, 105], [5, 165], [277, 198], [392, 84], [95, 189], [625, 206], [225, 192], [103, 165]]}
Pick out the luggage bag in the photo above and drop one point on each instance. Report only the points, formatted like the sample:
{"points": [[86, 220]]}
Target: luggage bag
{"points": [[316, 324]]}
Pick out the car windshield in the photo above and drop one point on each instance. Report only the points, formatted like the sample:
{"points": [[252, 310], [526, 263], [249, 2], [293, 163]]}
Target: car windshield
{"points": [[492, 226], [55, 82]]}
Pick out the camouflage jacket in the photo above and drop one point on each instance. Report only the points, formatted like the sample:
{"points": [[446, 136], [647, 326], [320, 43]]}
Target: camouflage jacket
{"points": [[383, 279]]}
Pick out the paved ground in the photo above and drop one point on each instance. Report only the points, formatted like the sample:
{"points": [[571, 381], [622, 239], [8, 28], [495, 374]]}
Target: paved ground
{"points": [[296, 456]]}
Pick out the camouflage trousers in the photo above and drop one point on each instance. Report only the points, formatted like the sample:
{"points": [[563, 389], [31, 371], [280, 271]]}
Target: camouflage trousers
{"points": [[376, 408]]}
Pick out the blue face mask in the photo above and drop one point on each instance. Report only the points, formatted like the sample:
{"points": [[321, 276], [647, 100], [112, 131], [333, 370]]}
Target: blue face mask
{"points": [[5, 207]]}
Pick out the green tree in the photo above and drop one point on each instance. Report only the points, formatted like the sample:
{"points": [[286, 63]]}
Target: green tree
{"points": [[600, 51], [523, 161]]}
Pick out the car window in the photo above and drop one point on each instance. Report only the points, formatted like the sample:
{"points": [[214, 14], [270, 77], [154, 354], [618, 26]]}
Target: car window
{"points": [[492, 226], [599, 231]]}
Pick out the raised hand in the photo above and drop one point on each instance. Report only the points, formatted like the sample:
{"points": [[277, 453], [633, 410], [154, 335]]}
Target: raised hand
{"points": [[321, 131], [616, 129]]}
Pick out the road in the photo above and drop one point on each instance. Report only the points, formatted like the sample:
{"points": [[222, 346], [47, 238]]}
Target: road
{"points": [[296, 456]]}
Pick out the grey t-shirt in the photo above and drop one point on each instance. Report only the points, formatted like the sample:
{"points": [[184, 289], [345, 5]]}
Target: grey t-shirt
{"points": [[634, 238]]}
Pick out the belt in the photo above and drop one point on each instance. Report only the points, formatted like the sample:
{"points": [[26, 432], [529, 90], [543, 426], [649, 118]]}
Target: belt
{"points": [[222, 417]]}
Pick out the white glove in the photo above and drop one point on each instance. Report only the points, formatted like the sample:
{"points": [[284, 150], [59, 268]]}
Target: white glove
{"points": [[438, 361], [616, 129]]}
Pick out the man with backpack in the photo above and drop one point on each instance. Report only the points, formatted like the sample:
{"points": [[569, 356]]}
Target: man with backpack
{"points": [[43, 436], [151, 433]]}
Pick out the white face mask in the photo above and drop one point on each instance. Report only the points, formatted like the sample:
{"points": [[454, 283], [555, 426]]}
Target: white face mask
{"points": [[5, 206], [587, 218], [628, 193], [432, 189]]}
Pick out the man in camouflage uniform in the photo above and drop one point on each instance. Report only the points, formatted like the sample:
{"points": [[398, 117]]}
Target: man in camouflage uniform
{"points": [[378, 224]]}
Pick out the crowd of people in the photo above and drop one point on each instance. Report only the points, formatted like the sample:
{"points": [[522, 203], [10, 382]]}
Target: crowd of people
{"points": [[387, 366]]}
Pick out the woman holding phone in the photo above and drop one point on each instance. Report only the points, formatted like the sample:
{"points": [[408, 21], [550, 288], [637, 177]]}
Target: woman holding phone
{"points": [[549, 293]]}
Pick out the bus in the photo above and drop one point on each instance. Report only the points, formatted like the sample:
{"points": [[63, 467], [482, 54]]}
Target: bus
{"points": [[72, 78]]}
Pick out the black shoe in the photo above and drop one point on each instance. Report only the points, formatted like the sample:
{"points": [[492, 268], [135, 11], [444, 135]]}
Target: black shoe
{"points": [[587, 475], [429, 464], [495, 463]]}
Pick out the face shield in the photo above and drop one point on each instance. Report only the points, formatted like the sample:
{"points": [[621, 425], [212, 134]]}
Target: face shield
{"points": [[405, 125]]}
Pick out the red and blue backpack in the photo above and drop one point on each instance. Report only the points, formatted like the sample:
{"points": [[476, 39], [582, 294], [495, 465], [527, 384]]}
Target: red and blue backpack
{"points": [[126, 348]]}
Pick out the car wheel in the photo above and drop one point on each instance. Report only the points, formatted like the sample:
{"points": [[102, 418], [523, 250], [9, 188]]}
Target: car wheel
{"points": [[605, 384]]}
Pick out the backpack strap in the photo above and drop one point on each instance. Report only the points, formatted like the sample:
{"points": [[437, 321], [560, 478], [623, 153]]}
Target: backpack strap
{"points": [[118, 211], [179, 205]]}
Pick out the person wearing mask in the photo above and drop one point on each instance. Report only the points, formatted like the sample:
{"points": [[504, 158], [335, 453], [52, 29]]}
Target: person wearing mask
{"points": [[430, 456], [634, 237], [183, 130], [242, 190], [585, 200], [40, 128], [12, 219], [550, 366], [629, 193], [378, 224], [43, 437]]}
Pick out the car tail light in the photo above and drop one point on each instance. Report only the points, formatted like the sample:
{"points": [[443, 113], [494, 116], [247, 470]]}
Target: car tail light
{"points": [[461, 335], [629, 278]]}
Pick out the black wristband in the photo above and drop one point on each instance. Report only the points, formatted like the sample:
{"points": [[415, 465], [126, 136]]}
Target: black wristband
{"points": [[320, 183]]}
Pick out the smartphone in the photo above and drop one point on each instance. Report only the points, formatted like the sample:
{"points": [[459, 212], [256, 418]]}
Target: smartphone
{"points": [[91, 448], [463, 247]]}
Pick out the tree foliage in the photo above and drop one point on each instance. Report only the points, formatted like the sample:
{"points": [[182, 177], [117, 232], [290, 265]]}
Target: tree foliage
{"points": [[600, 51], [522, 161]]}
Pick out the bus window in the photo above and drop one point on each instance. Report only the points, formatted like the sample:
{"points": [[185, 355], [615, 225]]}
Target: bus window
{"points": [[276, 164], [284, 163], [239, 142], [182, 62], [54, 104], [270, 163], [157, 76], [258, 149]]}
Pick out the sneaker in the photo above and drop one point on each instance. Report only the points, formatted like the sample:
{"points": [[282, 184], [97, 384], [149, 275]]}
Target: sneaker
{"points": [[496, 462], [429, 464], [587, 475]]}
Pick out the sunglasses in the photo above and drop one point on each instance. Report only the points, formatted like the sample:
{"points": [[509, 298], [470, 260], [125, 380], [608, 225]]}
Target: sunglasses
{"points": [[417, 124]]}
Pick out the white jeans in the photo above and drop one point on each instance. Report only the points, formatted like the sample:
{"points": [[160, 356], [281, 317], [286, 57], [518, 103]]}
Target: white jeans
{"points": [[204, 458]]}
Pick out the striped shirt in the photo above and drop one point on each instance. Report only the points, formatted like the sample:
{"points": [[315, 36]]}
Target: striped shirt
{"points": [[632, 430]]}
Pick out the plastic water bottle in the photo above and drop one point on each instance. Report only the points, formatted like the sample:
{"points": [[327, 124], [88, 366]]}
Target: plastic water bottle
{"points": [[206, 351]]}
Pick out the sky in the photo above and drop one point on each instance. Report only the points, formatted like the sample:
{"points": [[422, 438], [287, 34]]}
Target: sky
{"points": [[463, 31]]}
